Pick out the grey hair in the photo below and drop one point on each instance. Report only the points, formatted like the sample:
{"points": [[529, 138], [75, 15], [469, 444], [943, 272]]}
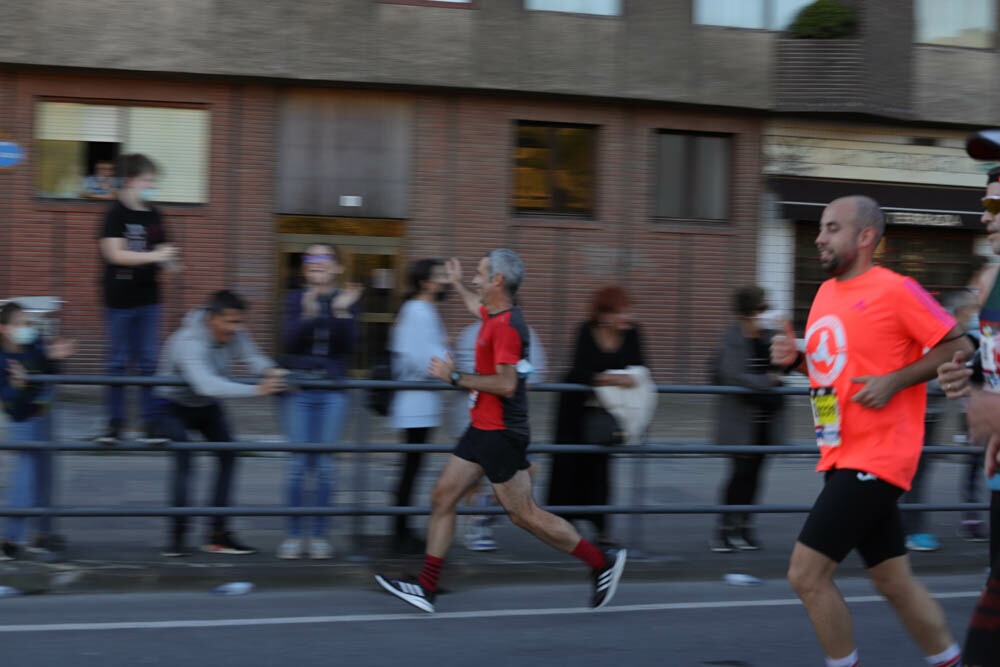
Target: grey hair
{"points": [[867, 213], [507, 264]]}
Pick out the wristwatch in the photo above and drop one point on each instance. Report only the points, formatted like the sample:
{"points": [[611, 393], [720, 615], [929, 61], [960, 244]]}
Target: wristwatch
{"points": [[454, 377]]}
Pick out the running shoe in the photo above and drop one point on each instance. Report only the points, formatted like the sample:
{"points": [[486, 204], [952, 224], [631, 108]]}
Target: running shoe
{"points": [[479, 535], [747, 540], [722, 543], [922, 542], [9, 551], [606, 579], [408, 591], [320, 549], [225, 543], [290, 549], [176, 549]]}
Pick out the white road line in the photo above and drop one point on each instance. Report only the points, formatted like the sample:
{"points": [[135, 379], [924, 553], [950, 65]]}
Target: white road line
{"points": [[419, 616]]}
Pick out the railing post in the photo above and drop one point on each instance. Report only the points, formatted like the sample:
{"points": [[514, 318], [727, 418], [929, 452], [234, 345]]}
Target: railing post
{"points": [[361, 435], [638, 498]]}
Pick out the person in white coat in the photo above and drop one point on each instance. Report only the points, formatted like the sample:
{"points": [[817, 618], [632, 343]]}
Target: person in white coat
{"points": [[417, 335]]}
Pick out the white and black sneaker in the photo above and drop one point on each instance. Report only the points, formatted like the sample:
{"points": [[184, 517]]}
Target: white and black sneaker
{"points": [[408, 591], [606, 579]]}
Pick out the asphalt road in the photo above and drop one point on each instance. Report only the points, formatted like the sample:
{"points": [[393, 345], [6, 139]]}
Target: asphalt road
{"points": [[677, 624]]}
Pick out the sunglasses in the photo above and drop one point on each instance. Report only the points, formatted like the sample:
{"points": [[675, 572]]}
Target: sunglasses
{"points": [[992, 204], [313, 259]]}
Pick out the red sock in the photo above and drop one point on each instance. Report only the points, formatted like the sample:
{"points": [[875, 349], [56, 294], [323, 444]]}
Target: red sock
{"points": [[432, 570], [589, 554]]}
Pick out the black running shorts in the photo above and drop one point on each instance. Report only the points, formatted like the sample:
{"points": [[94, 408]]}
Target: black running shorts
{"points": [[501, 454], [856, 510]]}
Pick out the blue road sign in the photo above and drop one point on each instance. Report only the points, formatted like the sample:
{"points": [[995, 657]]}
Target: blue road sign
{"points": [[10, 153]]}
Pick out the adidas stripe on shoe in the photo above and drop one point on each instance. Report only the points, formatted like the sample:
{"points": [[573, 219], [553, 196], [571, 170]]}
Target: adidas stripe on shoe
{"points": [[606, 579], [408, 591]]}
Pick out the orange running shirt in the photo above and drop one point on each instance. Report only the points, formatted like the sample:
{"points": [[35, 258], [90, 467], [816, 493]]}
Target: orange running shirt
{"points": [[874, 324]]}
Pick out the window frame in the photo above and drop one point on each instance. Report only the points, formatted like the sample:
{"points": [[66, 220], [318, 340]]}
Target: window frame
{"points": [[768, 15], [467, 4], [689, 163], [590, 215], [619, 14], [127, 104], [994, 29]]}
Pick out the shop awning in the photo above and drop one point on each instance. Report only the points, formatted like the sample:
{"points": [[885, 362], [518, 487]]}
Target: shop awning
{"points": [[919, 205]]}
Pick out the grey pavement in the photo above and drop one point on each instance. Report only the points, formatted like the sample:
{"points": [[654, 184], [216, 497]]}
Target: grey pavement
{"points": [[123, 553]]}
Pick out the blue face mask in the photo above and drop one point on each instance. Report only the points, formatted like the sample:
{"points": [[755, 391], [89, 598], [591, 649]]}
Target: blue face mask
{"points": [[149, 194], [25, 335]]}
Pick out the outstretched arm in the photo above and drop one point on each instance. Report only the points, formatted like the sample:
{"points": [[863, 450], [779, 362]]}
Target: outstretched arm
{"points": [[454, 270]]}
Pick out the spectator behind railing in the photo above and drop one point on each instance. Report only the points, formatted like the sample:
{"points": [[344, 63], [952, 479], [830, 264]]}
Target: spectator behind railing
{"points": [[417, 335], [134, 245], [22, 354], [201, 353], [742, 359], [608, 340], [320, 332]]}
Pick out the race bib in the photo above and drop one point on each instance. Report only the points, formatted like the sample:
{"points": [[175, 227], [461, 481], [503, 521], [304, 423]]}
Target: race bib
{"points": [[989, 349], [826, 416], [473, 398]]}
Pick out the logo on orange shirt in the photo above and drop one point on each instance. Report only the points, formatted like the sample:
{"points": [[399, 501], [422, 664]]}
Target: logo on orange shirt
{"points": [[826, 350]]}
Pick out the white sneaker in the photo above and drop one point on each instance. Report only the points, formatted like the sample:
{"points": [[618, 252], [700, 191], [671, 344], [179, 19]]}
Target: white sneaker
{"points": [[479, 535], [290, 549], [320, 549]]}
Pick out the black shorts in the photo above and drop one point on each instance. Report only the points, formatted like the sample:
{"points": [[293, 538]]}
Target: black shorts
{"points": [[501, 454], [856, 510]]}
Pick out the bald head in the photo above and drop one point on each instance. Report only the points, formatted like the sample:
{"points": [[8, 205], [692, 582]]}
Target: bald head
{"points": [[863, 212]]}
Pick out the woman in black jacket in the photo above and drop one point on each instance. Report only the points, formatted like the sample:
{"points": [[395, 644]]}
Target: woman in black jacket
{"points": [[608, 340]]}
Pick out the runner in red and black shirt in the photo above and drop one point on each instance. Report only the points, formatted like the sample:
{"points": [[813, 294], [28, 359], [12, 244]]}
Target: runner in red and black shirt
{"points": [[496, 442]]}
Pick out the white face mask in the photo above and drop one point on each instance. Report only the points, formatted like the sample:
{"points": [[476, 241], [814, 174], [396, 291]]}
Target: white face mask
{"points": [[972, 324], [25, 335]]}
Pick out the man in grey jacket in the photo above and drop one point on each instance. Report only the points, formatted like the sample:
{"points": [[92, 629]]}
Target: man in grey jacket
{"points": [[201, 353]]}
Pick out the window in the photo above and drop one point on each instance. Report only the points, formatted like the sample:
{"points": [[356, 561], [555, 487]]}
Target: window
{"points": [[936, 258], [603, 7], [969, 23], [72, 138], [759, 14], [692, 176], [554, 169]]}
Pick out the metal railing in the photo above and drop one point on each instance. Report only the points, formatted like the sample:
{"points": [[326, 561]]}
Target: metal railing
{"points": [[361, 446]]}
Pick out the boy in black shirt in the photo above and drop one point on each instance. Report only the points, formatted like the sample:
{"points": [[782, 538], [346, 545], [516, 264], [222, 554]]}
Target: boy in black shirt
{"points": [[134, 246]]}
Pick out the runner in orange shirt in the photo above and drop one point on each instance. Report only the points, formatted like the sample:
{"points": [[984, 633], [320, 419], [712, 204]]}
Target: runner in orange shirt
{"points": [[866, 338]]}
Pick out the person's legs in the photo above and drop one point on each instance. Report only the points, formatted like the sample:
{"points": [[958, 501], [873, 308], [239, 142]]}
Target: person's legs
{"points": [[295, 412], [811, 575], [982, 639], [458, 476], [117, 321], [404, 489], [515, 497], [23, 477], [173, 425], [330, 426], [147, 331], [214, 428], [920, 613]]}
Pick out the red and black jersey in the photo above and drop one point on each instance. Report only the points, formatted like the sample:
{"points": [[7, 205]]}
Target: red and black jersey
{"points": [[503, 339]]}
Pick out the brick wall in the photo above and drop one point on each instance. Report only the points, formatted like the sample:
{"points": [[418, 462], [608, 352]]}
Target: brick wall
{"points": [[680, 272], [49, 247]]}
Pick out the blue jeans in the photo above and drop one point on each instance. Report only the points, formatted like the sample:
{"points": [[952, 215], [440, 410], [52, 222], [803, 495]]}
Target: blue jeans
{"points": [[312, 416], [132, 342], [30, 479]]}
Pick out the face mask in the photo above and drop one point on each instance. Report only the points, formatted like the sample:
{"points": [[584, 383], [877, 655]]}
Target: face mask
{"points": [[25, 335], [972, 324], [149, 194]]}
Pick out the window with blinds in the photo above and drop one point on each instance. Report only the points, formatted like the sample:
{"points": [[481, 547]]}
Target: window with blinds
{"points": [[72, 138]]}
